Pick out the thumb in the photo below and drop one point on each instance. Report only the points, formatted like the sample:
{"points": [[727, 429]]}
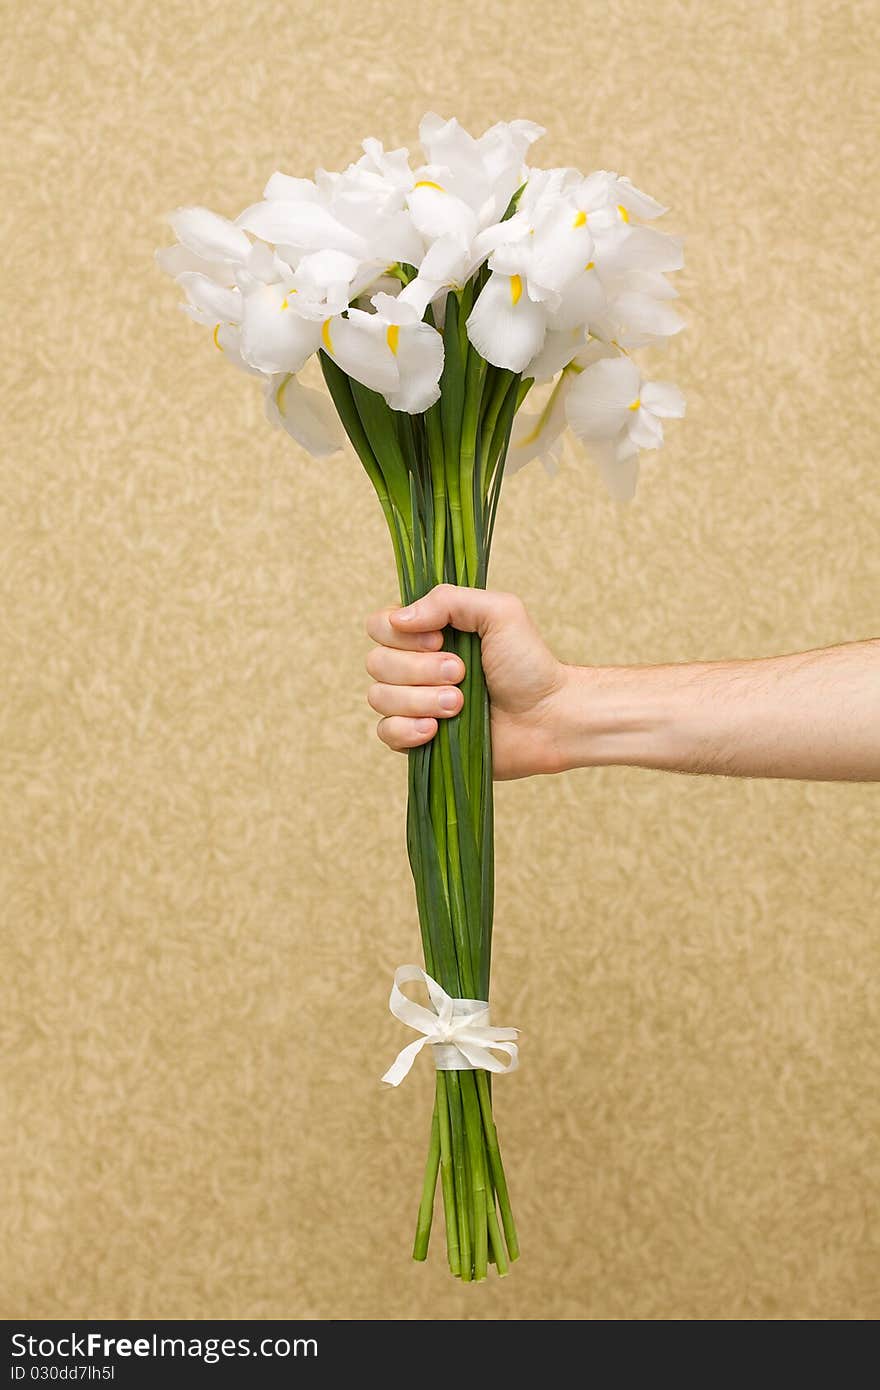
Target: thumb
{"points": [[470, 610]]}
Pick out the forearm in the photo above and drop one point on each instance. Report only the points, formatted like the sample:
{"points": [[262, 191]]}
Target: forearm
{"points": [[811, 715]]}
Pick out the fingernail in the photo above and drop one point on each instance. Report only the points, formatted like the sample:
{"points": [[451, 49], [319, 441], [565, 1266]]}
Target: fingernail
{"points": [[424, 726], [448, 699], [449, 670]]}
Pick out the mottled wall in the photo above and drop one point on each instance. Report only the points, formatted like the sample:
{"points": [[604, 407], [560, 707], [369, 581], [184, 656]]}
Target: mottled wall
{"points": [[203, 869]]}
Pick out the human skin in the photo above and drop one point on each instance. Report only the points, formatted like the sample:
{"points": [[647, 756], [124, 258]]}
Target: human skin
{"points": [[811, 715]]}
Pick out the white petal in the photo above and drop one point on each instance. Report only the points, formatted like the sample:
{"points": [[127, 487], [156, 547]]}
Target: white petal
{"points": [[360, 346], [497, 234], [582, 302], [558, 350], [371, 278], [273, 338], [393, 165], [594, 350], [645, 248], [306, 414], [619, 475], [300, 224], [436, 212], [502, 150], [635, 201], [508, 139], [197, 315], [645, 430], [598, 402], [536, 433], [512, 258], [420, 292], [291, 190], [420, 363], [445, 261], [561, 248], [663, 398], [507, 334], [640, 319], [648, 282], [447, 142], [213, 299], [596, 191], [174, 260], [209, 235], [227, 337], [397, 239], [603, 189], [328, 267], [393, 308], [266, 265]]}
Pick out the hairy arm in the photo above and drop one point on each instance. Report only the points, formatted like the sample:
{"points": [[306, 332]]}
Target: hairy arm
{"points": [[813, 714]]}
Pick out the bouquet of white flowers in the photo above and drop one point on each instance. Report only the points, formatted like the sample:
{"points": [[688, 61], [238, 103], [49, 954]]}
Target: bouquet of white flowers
{"points": [[435, 299]]}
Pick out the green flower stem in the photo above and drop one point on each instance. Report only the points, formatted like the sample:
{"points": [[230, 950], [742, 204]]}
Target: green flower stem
{"points": [[426, 1206], [434, 431], [503, 378], [463, 945], [498, 1254], [474, 1133], [498, 1177], [451, 408], [447, 1176], [461, 1189], [475, 373], [437, 792]]}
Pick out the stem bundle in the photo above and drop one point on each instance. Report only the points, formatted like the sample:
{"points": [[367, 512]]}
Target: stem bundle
{"points": [[437, 476]]}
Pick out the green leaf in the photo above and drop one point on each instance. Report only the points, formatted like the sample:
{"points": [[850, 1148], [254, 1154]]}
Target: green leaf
{"points": [[377, 419]]}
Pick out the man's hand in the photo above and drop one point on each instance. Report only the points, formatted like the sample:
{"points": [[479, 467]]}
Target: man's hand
{"points": [[812, 715], [416, 683]]}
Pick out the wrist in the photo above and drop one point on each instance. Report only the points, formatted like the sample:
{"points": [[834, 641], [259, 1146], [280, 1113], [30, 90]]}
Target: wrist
{"points": [[615, 715]]}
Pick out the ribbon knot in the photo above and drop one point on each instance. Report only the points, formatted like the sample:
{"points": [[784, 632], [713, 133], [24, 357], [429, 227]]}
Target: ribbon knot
{"points": [[458, 1030]]}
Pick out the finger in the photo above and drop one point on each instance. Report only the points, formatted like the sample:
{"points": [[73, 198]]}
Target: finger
{"points": [[416, 701], [396, 667], [470, 610], [380, 629], [401, 734]]}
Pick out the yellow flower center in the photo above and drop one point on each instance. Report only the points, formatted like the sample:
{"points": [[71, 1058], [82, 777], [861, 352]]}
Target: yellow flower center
{"points": [[325, 336], [515, 288], [634, 405], [285, 303], [429, 183], [589, 265], [580, 219], [392, 334], [623, 212]]}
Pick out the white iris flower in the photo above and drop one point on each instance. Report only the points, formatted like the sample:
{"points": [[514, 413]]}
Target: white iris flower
{"points": [[347, 264]]}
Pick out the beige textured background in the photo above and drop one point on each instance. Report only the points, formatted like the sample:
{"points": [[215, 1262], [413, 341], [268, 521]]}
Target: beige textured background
{"points": [[203, 868]]}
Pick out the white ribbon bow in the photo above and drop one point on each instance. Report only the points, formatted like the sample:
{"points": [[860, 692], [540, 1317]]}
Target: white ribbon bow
{"points": [[457, 1029]]}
